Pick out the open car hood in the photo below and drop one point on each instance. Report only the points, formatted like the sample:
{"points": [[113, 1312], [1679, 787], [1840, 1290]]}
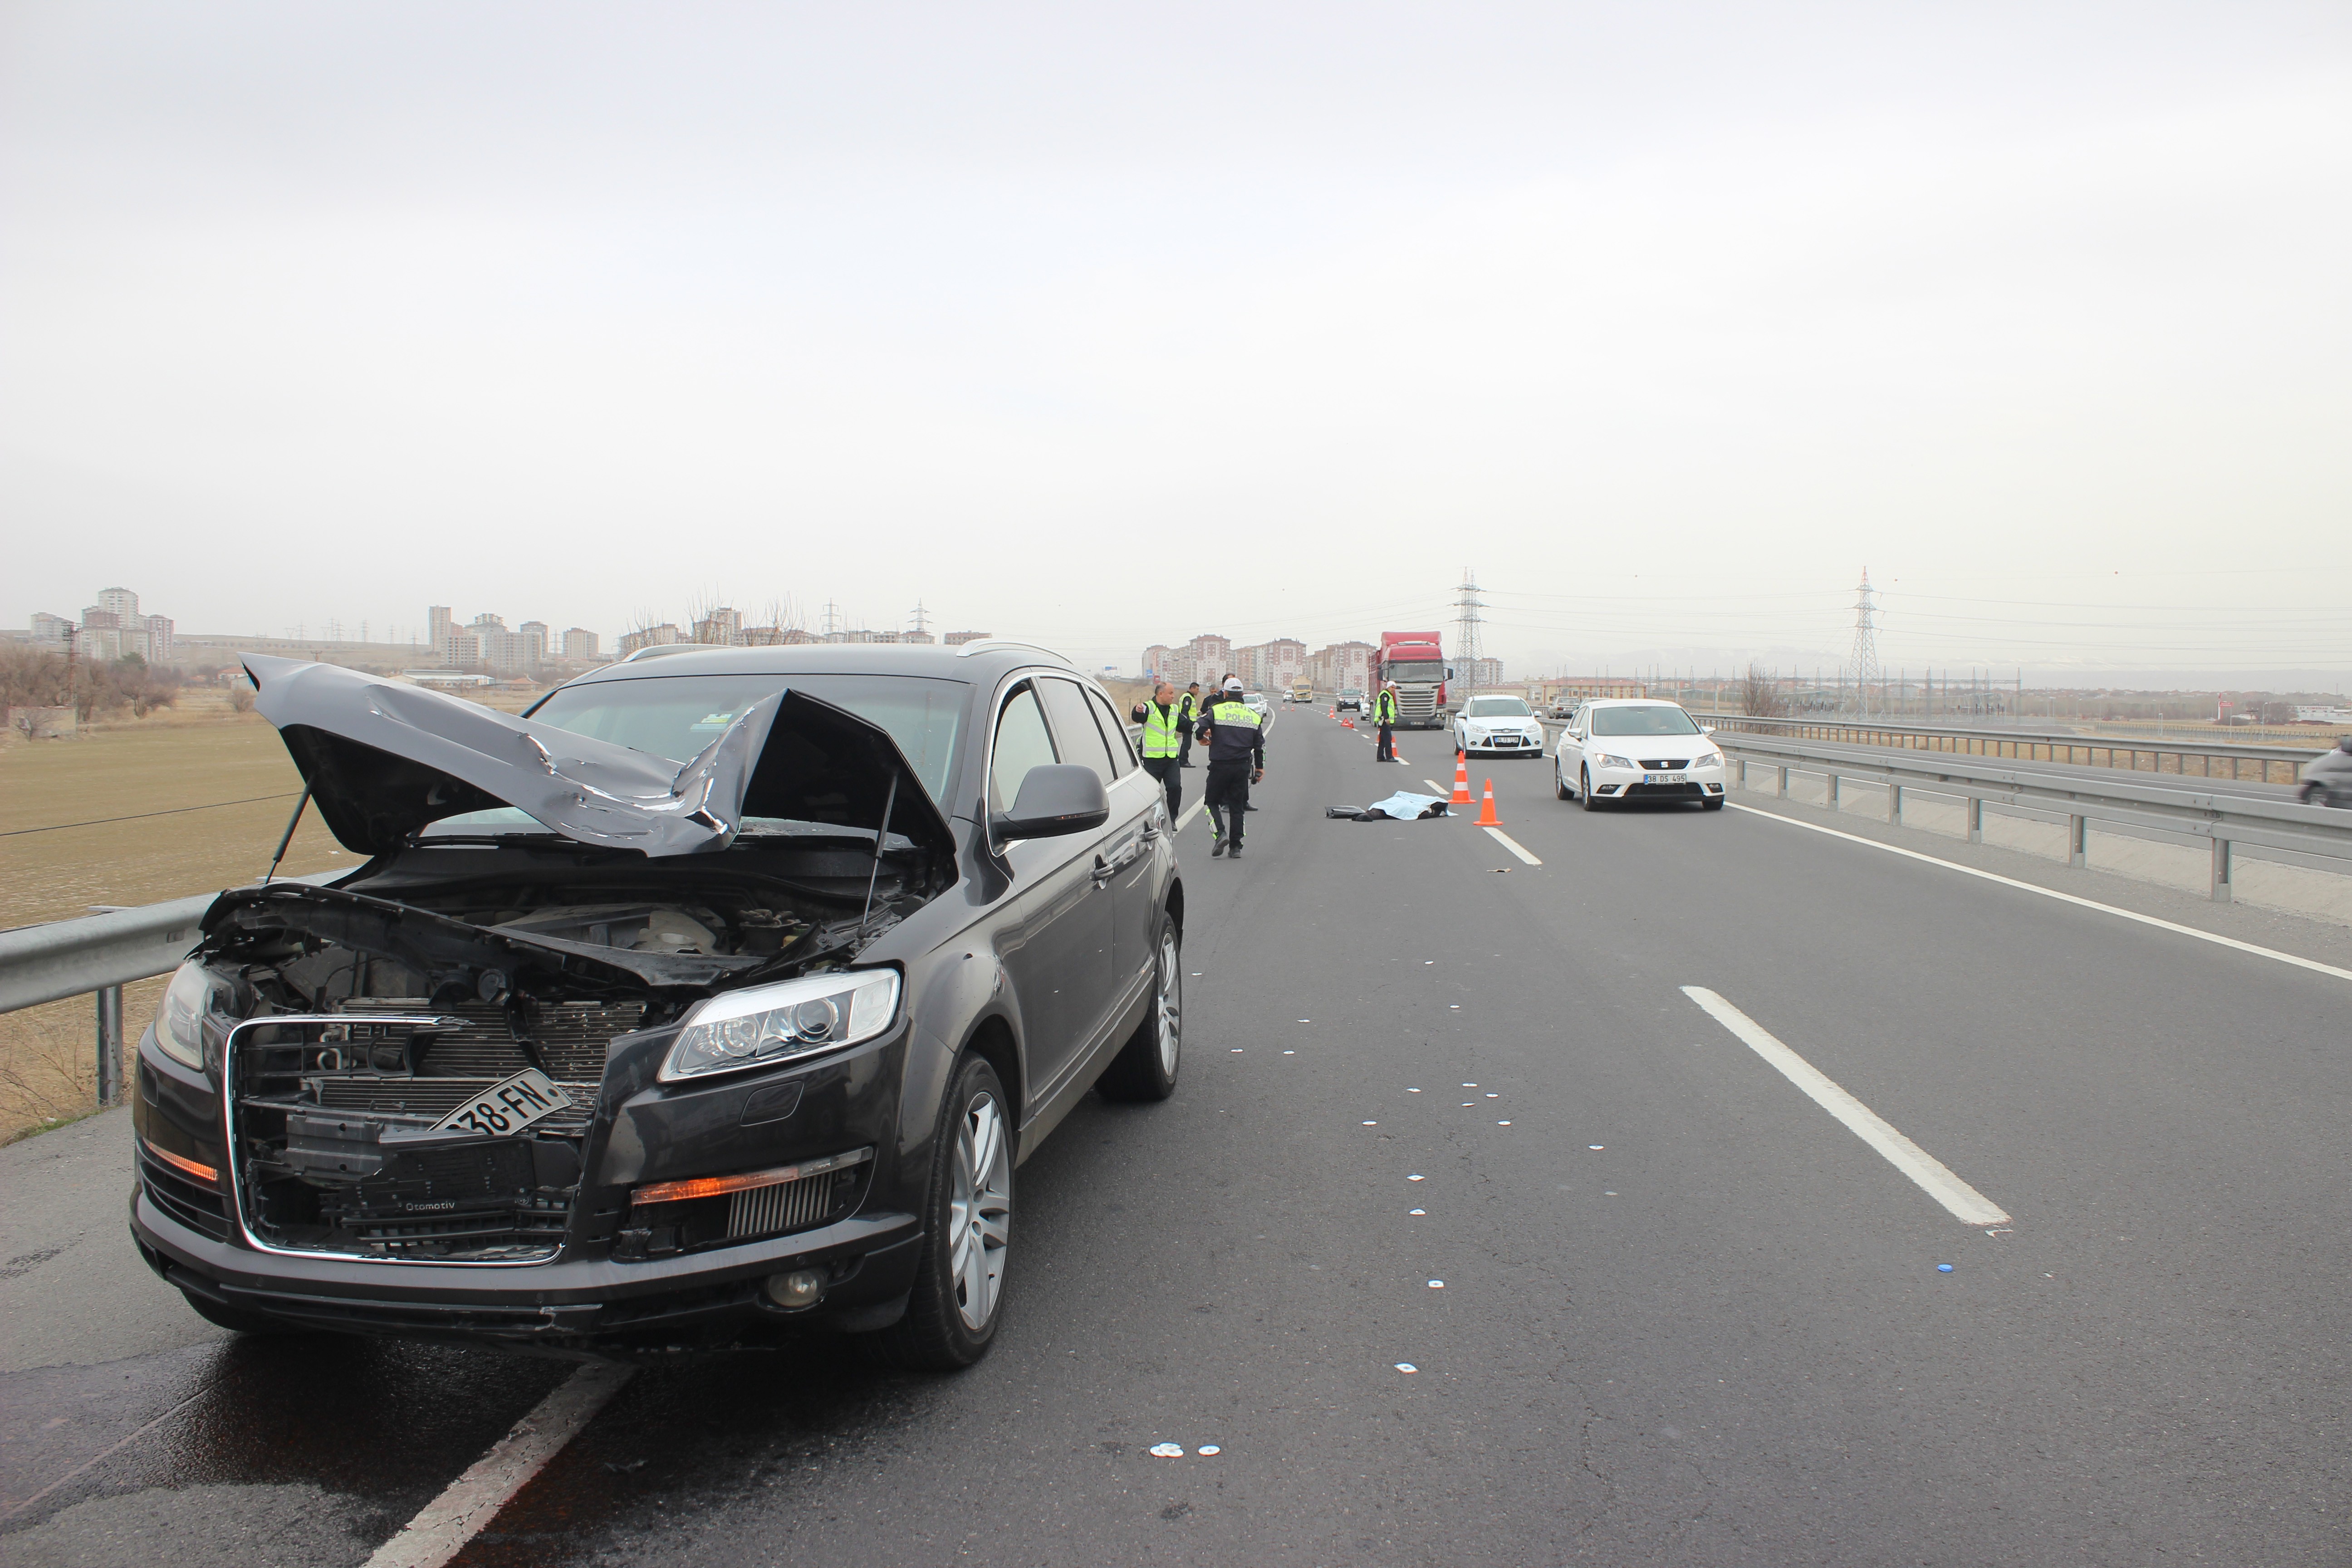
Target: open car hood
{"points": [[384, 759]]}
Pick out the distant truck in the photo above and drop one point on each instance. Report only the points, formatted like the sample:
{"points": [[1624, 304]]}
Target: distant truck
{"points": [[1417, 664], [1302, 691]]}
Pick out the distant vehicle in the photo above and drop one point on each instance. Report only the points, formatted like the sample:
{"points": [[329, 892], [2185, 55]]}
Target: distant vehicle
{"points": [[1302, 691], [1350, 701], [1505, 726], [1256, 703], [1622, 748], [1417, 664], [2327, 779]]}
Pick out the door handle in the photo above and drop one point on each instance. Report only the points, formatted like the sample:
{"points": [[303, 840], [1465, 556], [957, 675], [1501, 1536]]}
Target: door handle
{"points": [[1104, 869]]}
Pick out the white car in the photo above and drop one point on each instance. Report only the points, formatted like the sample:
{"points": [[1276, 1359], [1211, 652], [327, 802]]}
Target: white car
{"points": [[1503, 725], [1256, 702], [1632, 748]]}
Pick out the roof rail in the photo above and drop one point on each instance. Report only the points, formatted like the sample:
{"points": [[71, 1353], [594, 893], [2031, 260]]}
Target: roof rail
{"points": [[655, 650], [992, 644]]}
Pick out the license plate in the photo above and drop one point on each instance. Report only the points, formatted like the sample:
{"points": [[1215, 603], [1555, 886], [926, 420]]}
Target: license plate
{"points": [[508, 1107], [1663, 778]]}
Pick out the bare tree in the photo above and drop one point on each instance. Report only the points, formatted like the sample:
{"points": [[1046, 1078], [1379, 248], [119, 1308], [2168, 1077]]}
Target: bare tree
{"points": [[1759, 694]]}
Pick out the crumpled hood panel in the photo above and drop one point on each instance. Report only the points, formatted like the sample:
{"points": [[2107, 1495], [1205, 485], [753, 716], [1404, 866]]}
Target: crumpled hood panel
{"points": [[385, 758]]}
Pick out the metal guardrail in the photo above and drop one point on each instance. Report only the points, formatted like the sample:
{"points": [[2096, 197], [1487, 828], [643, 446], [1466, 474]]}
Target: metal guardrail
{"points": [[2222, 820], [102, 953], [2269, 764]]}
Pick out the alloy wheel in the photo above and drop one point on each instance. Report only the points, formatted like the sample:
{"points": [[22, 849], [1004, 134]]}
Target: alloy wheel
{"points": [[980, 1212], [1168, 1025]]}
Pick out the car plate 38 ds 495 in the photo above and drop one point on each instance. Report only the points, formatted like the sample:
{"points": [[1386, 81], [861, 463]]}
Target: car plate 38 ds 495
{"points": [[1665, 778], [507, 1106]]}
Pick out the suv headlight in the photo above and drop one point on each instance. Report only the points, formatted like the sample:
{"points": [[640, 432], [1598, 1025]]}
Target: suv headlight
{"points": [[196, 996], [761, 1025], [1606, 761]]}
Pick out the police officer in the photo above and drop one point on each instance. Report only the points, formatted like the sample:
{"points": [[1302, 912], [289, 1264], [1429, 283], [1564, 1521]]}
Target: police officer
{"points": [[1237, 743], [1384, 715], [1161, 740], [1188, 712]]}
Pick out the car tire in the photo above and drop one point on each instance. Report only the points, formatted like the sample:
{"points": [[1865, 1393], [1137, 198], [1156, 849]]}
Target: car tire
{"points": [[1584, 789], [1559, 782], [939, 1333], [1146, 1067], [236, 1320]]}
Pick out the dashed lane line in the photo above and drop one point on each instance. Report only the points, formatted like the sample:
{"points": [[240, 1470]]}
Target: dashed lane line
{"points": [[2214, 937], [1964, 1201], [447, 1523], [1511, 843]]}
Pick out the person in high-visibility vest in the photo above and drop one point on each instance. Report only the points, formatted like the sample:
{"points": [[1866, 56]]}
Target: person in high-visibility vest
{"points": [[1188, 713], [1384, 715], [1236, 740], [1163, 743]]}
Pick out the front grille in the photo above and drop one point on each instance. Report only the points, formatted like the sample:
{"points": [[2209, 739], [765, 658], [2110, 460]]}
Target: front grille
{"points": [[570, 1038], [1664, 791], [1666, 765], [198, 1207]]}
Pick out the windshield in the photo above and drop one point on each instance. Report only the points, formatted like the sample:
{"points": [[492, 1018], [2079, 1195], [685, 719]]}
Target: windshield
{"points": [[1499, 708], [676, 716], [1660, 719]]}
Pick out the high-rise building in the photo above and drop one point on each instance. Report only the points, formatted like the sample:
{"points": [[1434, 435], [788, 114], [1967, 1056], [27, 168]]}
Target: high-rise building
{"points": [[122, 603], [162, 640], [661, 635], [534, 643], [438, 624], [579, 643], [1158, 660], [721, 626], [957, 640], [50, 630]]}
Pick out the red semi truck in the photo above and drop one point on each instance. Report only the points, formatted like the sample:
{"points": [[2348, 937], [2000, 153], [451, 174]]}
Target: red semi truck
{"points": [[1417, 664]]}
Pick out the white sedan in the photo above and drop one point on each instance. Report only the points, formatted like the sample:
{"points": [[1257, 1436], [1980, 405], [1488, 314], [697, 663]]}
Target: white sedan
{"points": [[1503, 725], [1627, 748]]}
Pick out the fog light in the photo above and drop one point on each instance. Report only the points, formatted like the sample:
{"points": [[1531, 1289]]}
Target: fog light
{"points": [[800, 1287]]}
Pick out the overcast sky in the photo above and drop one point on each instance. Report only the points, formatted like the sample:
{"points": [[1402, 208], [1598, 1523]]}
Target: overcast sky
{"points": [[1103, 325]]}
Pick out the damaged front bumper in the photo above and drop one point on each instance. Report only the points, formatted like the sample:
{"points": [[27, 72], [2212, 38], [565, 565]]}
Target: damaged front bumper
{"points": [[678, 1210]]}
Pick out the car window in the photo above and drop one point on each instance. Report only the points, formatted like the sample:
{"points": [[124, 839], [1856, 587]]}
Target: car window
{"points": [[1022, 743], [1646, 718], [1074, 728], [1122, 750], [676, 716]]}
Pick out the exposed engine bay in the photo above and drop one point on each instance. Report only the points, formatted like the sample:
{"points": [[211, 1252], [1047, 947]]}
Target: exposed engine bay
{"points": [[456, 1007]]}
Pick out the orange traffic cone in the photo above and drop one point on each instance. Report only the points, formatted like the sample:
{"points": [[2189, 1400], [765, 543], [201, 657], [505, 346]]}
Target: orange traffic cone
{"points": [[1348, 723], [1486, 817], [1461, 781]]}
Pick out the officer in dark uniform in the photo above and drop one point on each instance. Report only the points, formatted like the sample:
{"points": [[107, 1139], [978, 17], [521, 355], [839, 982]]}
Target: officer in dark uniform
{"points": [[1188, 713], [1237, 742]]}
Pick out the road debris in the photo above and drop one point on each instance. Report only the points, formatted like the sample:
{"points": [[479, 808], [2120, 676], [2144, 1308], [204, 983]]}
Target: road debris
{"points": [[1416, 1211], [1943, 1268], [1167, 1450], [1406, 1367], [1437, 1284], [1208, 1450]]}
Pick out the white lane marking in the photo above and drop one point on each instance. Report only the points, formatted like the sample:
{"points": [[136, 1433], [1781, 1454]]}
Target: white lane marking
{"points": [[445, 1524], [1511, 843], [2311, 963], [1439, 790], [1185, 820], [1965, 1202]]}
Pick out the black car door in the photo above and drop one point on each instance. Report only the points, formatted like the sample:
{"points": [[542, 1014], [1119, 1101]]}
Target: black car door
{"points": [[1087, 731], [1056, 942]]}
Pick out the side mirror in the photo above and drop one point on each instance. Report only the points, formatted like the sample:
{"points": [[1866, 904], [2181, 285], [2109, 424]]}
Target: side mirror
{"points": [[1449, 672], [1706, 728], [1055, 798]]}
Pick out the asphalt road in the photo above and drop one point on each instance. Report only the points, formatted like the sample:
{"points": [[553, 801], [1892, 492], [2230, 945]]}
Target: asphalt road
{"points": [[1686, 1316]]}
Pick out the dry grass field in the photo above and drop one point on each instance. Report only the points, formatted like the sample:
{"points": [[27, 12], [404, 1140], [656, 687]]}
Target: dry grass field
{"points": [[104, 820]]}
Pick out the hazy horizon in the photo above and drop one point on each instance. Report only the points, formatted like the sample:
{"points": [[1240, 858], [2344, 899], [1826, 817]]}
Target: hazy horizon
{"points": [[1106, 329]]}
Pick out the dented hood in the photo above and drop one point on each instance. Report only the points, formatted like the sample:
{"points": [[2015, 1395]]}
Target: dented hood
{"points": [[384, 759]]}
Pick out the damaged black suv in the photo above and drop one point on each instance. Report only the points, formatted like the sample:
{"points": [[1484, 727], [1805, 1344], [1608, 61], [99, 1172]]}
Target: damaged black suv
{"points": [[721, 991]]}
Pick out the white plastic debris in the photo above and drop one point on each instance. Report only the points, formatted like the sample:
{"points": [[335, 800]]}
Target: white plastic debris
{"points": [[1208, 1450], [1167, 1450], [1372, 1124], [1290, 1053], [1455, 1006], [1417, 1091], [1594, 1147], [1437, 1284], [1416, 1211], [1502, 1124], [1492, 1095], [1406, 1367], [1416, 1178], [1469, 1086]]}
